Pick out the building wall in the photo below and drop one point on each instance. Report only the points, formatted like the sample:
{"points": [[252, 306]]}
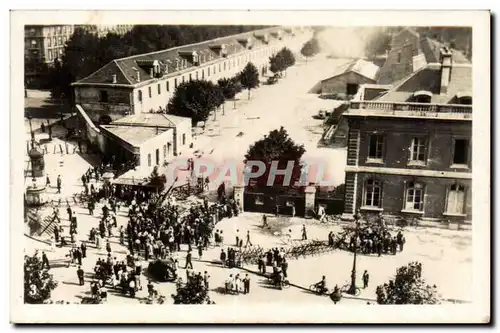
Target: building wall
{"points": [[90, 99], [150, 146], [46, 42], [393, 195], [183, 128], [338, 84], [399, 62], [210, 71], [398, 134]]}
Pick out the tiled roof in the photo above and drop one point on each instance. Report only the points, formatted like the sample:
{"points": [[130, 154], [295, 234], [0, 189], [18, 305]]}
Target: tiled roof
{"points": [[134, 135], [360, 66], [150, 119], [431, 50], [126, 68], [429, 79]]}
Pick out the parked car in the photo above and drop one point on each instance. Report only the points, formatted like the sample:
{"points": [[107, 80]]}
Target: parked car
{"points": [[273, 79]]}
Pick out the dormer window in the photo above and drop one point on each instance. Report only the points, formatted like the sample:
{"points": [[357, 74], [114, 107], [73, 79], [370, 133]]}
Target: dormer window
{"points": [[177, 64], [422, 96], [464, 98]]}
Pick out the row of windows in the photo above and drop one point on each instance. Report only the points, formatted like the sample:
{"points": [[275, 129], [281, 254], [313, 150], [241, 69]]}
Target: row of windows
{"points": [[205, 72], [53, 54], [414, 197], [166, 152], [419, 148]]}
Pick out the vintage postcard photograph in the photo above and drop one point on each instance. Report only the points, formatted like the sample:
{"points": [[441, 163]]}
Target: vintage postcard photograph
{"points": [[250, 167]]}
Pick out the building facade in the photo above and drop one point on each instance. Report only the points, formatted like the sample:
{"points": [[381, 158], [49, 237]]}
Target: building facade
{"points": [[45, 43], [145, 83], [410, 150]]}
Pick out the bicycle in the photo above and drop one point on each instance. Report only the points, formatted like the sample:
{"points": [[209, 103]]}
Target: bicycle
{"points": [[317, 290], [347, 287]]}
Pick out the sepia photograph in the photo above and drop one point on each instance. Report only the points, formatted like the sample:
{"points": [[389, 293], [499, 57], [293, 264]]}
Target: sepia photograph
{"points": [[293, 162]]}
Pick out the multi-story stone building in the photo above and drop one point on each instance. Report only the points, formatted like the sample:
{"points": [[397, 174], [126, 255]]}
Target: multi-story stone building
{"points": [[146, 82], [409, 52], [409, 150], [45, 42]]}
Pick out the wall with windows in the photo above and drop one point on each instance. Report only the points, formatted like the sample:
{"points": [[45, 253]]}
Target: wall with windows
{"points": [[416, 144], [427, 197], [99, 102], [161, 145]]}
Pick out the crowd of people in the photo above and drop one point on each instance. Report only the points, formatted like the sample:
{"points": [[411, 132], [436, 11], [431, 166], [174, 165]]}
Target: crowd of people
{"points": [[370, 240]]}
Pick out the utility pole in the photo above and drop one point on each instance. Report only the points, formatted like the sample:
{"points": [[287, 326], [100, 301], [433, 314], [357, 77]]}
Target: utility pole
{"points": [[352, 289]]}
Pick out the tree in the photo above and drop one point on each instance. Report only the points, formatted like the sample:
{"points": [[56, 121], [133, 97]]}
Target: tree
{"points": [[249, 77], [193, 292], [156, 179], [229, 89], [38, 283], [195, 99], [277, 64], [276, 146], [307, 50], [408, 287], [288, 57]]}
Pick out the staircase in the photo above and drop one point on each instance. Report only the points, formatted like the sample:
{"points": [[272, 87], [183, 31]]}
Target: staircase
{"points": [[47, 224]]}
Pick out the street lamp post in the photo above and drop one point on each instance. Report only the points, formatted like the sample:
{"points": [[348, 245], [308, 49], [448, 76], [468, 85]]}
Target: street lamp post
{"points": [[31, 129], [352, 289]]}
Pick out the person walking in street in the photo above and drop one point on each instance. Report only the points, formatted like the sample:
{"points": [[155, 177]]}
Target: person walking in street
{"points": [[248, 239], [366, 279], [45, 260], [264, 221], [47, 181], [304, 232], [78, 256], [80, 275], [223, 258], [90, 206], [206, 278], [189, 260], [246, 284], [200, 250], [59, 184], [83, 248], [70, 214]]}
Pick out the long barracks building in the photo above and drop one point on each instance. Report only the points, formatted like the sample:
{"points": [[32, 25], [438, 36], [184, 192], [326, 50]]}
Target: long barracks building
{"points": [[144, 83]]}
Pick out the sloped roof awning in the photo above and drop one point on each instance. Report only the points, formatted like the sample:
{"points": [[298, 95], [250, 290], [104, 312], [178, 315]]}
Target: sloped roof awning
{"points": [[423, 93]]}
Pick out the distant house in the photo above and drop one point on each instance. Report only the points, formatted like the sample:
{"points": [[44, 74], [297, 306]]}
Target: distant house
{"points": [[410, 52], [347, 80]]}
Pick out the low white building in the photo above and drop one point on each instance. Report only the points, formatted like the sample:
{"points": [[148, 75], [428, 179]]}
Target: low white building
{"points": [[150, 138]]}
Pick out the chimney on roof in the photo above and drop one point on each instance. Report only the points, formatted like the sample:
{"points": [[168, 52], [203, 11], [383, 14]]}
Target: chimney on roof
{"points": [[114, 78], [138, 76], [446, 65]]}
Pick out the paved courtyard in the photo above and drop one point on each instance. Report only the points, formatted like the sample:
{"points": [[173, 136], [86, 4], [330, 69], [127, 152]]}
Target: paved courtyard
{"points": [[445, 254]]}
